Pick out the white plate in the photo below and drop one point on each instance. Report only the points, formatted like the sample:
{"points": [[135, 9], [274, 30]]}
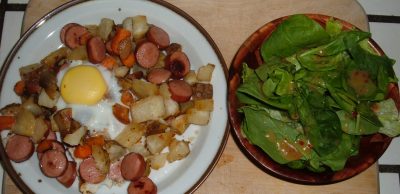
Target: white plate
{"points": [[207, 142]]}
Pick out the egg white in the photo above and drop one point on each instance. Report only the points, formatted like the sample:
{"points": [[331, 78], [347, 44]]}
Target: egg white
{"points": [[98, 117]]}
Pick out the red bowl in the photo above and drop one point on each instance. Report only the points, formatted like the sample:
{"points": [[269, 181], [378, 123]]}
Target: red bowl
{"points": [[371, 146]]}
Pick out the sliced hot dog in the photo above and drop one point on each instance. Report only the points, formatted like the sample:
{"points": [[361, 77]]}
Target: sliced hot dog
{"points": [[158, 36], [96, 50], [49, 144], [115, 172], [89, 171], [180, 90], [147, 54], [133, 166], [178, 63], [125, 48], [69, 176], [73, 35], [142, 186], [158, 75], [19, 148], [64, 30], [53, 163]]}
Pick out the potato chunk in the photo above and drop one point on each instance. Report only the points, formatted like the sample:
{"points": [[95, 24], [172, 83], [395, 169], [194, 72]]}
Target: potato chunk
{"points": [[178, 150], [198, 117], [156, 143], [205, 73], [131, 134], [179, 124], [150, 108]]}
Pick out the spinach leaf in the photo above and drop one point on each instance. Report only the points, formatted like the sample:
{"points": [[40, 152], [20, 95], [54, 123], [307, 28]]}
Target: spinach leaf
{"points": [[389, 116], [295, 33], [348, 147], [275, 137]]}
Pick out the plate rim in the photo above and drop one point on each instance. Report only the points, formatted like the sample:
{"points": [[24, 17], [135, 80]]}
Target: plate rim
{"points": [[5, 162], [241, 141]]}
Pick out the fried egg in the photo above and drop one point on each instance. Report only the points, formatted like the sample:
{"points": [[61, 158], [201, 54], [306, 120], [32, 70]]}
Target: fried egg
{"points": [[91, 91]]}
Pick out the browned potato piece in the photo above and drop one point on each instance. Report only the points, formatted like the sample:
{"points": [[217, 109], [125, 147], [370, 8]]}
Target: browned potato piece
{"points": [[150, 108], [204, 73], [39, 130], [156, 143], [130, 135], [204, 104], [179, 124], [101, 158], [157, 161], [178, 150], [24, 124], [74, 138], [198, 117]]}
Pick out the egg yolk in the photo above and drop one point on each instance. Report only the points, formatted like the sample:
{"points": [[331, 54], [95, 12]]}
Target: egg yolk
{"points": [[83, 84]]}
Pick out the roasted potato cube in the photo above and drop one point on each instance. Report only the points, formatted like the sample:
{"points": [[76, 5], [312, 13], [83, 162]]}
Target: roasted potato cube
{"points": [[114, 150], [140, 149], [54, 57], [144, 89], [39, 130], [140, 26], [164, 91], [130, 135], [101, 158], [46, 101], [24, 123], [198, 117], [179, 124], [171, 107], [178, 150], [205, 73], [204, 104], [105, 27], [150, 108], [156, 143], [74, 138], [157, 161], [191, 77], [78, 53], [155, 127]]}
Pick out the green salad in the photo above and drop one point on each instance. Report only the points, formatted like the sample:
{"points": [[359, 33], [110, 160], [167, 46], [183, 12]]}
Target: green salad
{"points": [[319, 89]]}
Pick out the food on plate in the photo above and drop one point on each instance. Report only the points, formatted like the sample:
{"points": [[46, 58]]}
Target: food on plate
{"points": [[109, 106], [315, 91]]}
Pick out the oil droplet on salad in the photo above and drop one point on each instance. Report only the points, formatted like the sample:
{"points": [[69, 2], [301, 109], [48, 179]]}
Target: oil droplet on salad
{"points": [[361, 82], [288, 150]]}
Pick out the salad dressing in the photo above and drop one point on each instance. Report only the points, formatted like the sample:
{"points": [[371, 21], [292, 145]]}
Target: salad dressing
{"points": [[288, 150]]}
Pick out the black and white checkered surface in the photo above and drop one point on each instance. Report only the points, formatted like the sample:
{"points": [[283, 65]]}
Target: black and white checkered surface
{"points": [[384, 21]]}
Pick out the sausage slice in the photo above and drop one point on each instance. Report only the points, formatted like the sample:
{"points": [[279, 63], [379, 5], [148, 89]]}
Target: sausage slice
{"points": [[180, 90], [69, 176], [178, 63], [73, 35], [158, 36], [64, 30], [158, 75], [49, 144], [53, 163], [19, 148], [142, 186], [89, 171], [96, 50], [147, 54], [133, 166]]}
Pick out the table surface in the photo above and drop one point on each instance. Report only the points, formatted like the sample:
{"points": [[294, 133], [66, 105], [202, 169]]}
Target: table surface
{"points": [[234, 173]]}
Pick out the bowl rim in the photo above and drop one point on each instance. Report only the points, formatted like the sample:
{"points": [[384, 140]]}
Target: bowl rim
{"points": [[253, 152], [5, 162]]}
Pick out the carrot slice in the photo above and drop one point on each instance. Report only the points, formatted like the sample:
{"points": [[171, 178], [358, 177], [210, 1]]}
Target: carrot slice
{"points": [[109, 62], [95, 140], [44, 145], [130, 60], [6, 122], [121, 113], [19, 87], [120, 35], [83, 151], [127, 98]]}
